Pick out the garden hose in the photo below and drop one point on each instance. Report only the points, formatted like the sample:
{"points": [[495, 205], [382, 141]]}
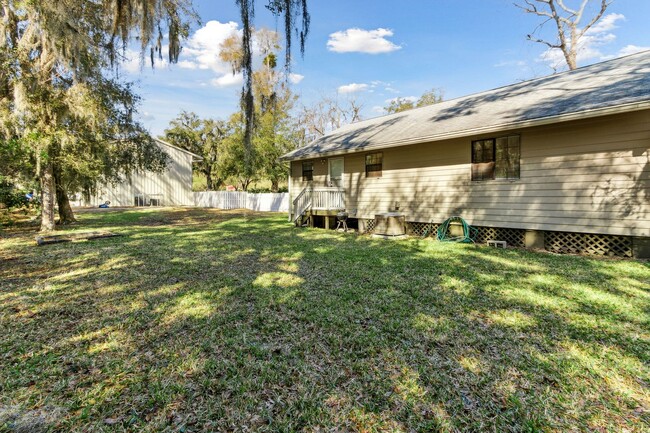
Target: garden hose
{"points": [[469, 232]]}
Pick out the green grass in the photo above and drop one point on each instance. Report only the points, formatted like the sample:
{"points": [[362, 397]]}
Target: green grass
{"points": [[206, 321]]}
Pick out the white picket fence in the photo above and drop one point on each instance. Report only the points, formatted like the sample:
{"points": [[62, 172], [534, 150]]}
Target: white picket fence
{"points": [[264, 202]]}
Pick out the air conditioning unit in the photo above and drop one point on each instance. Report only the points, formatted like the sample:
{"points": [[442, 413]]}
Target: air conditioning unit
{"points": [[390, 224]]}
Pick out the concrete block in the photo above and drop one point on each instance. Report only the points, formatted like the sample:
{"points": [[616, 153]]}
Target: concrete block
{"points": [[641, 247], [497, 244]]}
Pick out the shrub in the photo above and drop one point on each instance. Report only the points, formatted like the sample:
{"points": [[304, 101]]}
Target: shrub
{"points": [[11, 196]]}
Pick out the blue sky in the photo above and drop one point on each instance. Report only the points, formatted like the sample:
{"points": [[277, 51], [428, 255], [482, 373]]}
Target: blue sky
{"points": [[375, 50]]}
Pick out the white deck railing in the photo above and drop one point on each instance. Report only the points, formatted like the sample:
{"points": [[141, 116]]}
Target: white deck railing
{"points": [[301, 203], [328, 199], [318, 199]]}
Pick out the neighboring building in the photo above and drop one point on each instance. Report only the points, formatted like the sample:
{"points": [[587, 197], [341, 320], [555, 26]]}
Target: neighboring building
{"points": [[173, 187], [561, 161]]}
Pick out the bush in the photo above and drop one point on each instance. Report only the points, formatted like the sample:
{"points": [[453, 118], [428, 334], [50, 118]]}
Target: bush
{"points": [[12, 196]]}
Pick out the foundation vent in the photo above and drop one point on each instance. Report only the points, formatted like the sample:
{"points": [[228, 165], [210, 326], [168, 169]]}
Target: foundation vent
{"points": [[513, 237], [422, 229], [585, 243]]}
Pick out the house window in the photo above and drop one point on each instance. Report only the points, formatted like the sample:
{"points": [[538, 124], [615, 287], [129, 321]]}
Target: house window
{"points": [[307, 171], [496, 158], [374, 164]]}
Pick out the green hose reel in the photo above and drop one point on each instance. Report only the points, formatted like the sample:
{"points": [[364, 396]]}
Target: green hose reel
{"points": [[469, 232]]}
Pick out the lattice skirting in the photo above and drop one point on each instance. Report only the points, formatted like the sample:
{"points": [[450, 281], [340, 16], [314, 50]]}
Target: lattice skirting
{"points": [[514, 237], [558, 242], [585, 243], [369, 225], [421, 229]]}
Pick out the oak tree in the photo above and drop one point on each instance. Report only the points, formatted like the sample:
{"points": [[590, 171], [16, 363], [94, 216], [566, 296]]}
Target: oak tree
{"points": [[203, 137]]}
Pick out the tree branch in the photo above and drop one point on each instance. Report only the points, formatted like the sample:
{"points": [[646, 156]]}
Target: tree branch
{"points": [[603, 7], [567, 21]]}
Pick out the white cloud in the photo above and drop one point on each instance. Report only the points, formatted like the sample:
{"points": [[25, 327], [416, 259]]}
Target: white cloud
{"points": [[201, 52], [378, 109], [187, 64], [353, 88], [228, 80], [202, 49], [200, 55], [147, 116], [589, 46], [362, 41], [296, 78], [606, 24], [631, 49]]}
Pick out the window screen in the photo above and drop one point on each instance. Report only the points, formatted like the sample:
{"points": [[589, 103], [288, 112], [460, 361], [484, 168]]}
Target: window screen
{"points": [[483, 159], [374, 162], [496, 158], [507, 158], [307, 171]]}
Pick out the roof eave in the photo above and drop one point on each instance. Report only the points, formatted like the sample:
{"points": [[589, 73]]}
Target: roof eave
{"points": [[579, 115], [195, 157]]}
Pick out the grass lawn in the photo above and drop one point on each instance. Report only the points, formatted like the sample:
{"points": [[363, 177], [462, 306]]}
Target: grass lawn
{"points": [[206, 321]]}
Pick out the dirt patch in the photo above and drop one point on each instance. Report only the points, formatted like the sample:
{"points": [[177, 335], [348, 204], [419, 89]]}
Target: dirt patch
{"points": [[19, 420]]}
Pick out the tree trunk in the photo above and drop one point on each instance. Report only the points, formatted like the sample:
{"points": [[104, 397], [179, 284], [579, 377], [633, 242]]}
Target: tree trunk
{"points": [[48, 195], [571, 59], [275, 185], [209, 182], [245, 184], [66, 216]]}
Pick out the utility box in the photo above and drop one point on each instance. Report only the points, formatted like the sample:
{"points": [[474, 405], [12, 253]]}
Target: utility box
{"points": [[456, 229], [390, 224]]}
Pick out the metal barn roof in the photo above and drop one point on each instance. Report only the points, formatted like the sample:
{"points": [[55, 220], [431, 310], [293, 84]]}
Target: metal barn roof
{"points": [[195, 157]]}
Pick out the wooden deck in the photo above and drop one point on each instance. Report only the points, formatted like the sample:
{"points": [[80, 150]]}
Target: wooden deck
{"points": [[325, 202]]}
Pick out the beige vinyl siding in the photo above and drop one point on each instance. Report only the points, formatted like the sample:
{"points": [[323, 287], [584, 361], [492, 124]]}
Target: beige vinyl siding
{"points": [[174, 184], [320, 175], [588, 176]]}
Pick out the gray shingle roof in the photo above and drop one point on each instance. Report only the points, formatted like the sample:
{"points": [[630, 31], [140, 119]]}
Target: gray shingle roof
{"points": [[584, 92]]}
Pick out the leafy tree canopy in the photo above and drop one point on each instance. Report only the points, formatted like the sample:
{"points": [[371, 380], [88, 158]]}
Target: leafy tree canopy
{"points": [[204, 137], [430, 97]]}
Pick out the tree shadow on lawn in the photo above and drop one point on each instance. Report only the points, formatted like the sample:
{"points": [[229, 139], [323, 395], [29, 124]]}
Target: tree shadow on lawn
{"points": [[236, 322]]}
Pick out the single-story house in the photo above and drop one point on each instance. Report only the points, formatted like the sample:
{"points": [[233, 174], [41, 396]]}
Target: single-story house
{"points": [[173, 187], [561, 162]]}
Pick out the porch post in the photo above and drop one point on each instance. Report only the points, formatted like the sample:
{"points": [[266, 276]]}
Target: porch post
{"points": [[290, 207]]}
